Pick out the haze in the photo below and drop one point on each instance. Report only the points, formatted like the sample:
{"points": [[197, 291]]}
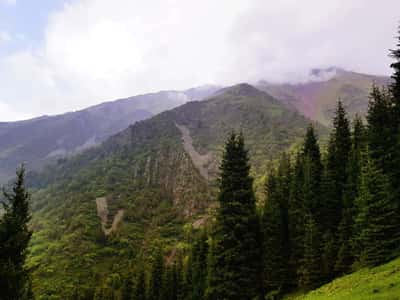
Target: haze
{"points": [[57, 56]]}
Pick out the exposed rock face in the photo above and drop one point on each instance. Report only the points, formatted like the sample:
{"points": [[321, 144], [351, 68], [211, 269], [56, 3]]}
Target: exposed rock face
{"points": [[102, 212], [199, 161]]}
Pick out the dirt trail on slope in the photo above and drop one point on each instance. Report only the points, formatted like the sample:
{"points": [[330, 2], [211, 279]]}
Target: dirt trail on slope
{"points": [[199, 160], [102, 212]]}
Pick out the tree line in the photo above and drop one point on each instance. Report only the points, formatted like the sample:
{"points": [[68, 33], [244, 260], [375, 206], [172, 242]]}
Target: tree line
{"points": [[326, 213]]}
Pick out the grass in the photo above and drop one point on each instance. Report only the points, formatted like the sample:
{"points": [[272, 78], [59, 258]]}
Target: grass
{"points": [[380, 283]]}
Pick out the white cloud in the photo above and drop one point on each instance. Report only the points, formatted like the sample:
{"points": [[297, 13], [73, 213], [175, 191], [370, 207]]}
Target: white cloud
{"points": [[96, 50]]}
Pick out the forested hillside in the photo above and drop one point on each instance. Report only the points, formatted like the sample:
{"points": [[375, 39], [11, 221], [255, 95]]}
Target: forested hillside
{"points": [[43, 140], [236, 197], [159, 174]]}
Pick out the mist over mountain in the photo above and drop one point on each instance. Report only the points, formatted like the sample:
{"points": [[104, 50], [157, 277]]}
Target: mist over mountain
{"points": [[39, 141], [317, 97]]}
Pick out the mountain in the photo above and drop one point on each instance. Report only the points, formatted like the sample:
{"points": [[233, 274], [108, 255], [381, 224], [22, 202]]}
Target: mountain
{"points": [[317, 97], [97, 214], [44, 139]]}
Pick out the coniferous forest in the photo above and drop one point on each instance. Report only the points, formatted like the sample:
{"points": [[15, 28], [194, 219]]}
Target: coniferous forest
{"points": [[328, 209]]}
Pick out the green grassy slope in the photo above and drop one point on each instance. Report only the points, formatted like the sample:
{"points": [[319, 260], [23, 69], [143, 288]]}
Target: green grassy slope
{"points": [[380, 283]]}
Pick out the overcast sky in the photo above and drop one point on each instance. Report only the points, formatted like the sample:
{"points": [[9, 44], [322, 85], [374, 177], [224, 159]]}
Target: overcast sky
{"points": [[62, 55]]}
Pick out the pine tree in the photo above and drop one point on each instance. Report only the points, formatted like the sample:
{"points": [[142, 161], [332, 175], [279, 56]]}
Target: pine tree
{"points": [[275, 260], [395, 85], [139, 292], [395, 119], [312, 172], [377, 220], [186, 286], [156, 276], [169, 290], [380, 133], [336, 170], [296, 214], [199, 266], [127, 288], [346, 252], [235, 244], [14, 239], [310, 271]]}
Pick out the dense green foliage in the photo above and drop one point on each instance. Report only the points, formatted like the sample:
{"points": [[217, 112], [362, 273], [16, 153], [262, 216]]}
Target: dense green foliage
{"points": [[135, 218], [15, 281], [146, 172], [234, 270]]}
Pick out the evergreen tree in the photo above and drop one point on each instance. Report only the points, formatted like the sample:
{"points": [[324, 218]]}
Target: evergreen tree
{"points": [[296, 214], [377, 220], [169, 289], [312, 171], [380, 133], [186, 286], [395, 118], [127, 288], [334, 185], [395, 85], [14, 239], [310, 271], [336, 170], [156, 276], [139, 292], [275, 254], [199, 266], [235, 245], [345, 256], [346, 252]]}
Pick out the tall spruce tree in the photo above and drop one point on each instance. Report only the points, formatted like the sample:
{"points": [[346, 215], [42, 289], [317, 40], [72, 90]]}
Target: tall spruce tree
{"points": [[395, 118], [334, 186], [312, 171], [380, 132], [346, 252], [395, 85], [296, 214], [310, 271], [156, 276], [275, 224], [14, 239], [139, 292], [336, 169], [235, 246], [199, 266], [377, 220]]}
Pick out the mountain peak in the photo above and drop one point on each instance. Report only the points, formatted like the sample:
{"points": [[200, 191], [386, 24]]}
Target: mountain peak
{"points": [[242, 89]]}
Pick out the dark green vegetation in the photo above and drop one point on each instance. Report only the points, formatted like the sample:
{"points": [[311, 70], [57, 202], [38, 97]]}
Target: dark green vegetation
{"points": [[136, 217], [234, 263], [15, 281], [41, 140], [146, 172]]}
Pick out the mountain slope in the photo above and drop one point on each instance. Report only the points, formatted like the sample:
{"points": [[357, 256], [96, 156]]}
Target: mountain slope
{"points": [[47, 138], [316, 99], [380, 283], [160, 172]]}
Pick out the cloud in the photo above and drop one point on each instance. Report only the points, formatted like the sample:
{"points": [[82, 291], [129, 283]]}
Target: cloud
{"points": [[95, 50]]}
